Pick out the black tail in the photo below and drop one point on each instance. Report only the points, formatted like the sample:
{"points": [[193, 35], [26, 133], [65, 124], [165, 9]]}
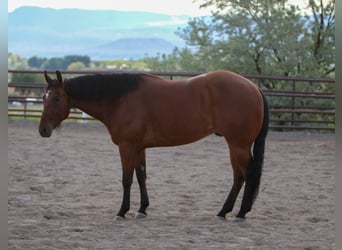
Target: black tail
{"points": [[255, 169], [259, 149]]}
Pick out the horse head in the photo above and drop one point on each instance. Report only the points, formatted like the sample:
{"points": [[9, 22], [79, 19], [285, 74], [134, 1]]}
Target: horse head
{"points": [[56, 106]]}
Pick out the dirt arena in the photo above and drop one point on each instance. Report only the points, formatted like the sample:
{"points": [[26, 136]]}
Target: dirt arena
{"points": [[63, 193]]}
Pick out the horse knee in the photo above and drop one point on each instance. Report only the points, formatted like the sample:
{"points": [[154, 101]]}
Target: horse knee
{"points": [[141, 173], [127, 181]]}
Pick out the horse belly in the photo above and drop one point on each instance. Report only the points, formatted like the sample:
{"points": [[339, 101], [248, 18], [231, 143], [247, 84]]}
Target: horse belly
{"points": [[179, 122]]}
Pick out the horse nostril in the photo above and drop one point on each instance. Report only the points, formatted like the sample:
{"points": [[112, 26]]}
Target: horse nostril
{"points": [[45, 132], [42, 131]]}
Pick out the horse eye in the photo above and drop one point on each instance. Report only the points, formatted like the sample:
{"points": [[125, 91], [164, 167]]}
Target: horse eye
{"points": [[57, 99]]}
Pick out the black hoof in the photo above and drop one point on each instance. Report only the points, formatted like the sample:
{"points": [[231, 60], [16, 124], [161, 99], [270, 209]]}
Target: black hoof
{"points": [[241, 216], [118, 218], [221, 217], [140, 215]]}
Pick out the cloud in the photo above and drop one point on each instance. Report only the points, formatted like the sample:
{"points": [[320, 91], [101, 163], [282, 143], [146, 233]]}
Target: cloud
{"points": [[173, 21]]}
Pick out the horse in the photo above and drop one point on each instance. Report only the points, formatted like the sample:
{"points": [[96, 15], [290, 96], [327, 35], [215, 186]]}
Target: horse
{"points": [[142, 110]]}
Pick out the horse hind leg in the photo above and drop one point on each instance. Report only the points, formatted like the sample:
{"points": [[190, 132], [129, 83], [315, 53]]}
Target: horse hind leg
{"points": [[132, 159], [252, 177], [250, 192], [240, 159], [233, 194], [254, 171]]}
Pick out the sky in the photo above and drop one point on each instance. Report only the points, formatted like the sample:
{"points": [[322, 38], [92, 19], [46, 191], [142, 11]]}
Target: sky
{"points": [[174, 7]]}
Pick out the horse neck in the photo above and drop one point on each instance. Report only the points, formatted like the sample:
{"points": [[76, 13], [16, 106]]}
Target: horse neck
{"points": [[93, 108]]}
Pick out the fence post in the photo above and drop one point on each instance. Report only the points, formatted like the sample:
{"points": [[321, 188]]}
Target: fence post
{"points": [[84, 117], [293, 102], [25, 110]]}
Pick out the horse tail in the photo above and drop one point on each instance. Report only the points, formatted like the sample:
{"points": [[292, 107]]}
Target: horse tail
{"points": [[259, 150]]}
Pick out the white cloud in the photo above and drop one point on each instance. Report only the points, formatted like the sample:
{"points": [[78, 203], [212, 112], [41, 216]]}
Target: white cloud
{"points": [[173, 21]]}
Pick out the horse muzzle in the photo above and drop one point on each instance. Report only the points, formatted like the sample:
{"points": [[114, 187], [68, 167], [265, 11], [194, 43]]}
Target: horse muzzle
{"points": [[45, 131]]}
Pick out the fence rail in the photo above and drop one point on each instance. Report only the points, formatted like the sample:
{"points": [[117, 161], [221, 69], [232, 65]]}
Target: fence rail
{"points": [[296, 105]]}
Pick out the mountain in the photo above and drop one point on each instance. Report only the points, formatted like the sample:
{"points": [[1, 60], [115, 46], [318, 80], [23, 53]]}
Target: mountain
{"points": [[100, 34], [133, 46]]}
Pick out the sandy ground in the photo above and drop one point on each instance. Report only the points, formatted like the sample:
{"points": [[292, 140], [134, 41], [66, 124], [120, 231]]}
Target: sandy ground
{"points": [[63, 193]]}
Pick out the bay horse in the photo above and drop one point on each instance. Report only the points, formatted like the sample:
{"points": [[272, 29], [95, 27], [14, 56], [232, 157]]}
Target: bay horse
{"points": [[143, 110]]}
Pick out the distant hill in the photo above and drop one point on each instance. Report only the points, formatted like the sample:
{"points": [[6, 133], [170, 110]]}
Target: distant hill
{"points": [[133, 46], [100, 34]]}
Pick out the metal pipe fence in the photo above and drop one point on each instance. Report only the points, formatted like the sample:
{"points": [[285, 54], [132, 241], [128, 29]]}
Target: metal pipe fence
{"points": [[296, 103]]}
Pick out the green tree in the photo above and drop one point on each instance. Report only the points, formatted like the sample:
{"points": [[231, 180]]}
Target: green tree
{"points": [[323, 34], [76, 66], [36, 62], [54, 63], [186, 60], [15, 61], [161, 62], [67, 60], [264, 37], [62, 63], [179, 60]]}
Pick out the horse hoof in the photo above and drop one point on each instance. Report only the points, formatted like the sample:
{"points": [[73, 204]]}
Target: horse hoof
{"points": [[140, 215], [220, 217], [239, 220], [118, 218]]}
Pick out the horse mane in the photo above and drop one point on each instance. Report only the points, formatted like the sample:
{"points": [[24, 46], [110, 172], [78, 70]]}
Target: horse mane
{"points": [[101, 86]]}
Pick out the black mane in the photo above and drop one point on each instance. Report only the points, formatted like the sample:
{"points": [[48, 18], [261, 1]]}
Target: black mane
{"points": [[104, 86]]}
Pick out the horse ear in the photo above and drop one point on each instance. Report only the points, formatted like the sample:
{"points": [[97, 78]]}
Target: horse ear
{"points": [[59, 78], [47, 77]]}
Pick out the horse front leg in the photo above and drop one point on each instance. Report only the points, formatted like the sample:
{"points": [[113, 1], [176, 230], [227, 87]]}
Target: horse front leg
{"points": [[127, 178], [141, 177], [129, 160]]}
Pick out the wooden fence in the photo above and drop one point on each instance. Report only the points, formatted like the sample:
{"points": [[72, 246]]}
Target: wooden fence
{"points": [[295, 103]]}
